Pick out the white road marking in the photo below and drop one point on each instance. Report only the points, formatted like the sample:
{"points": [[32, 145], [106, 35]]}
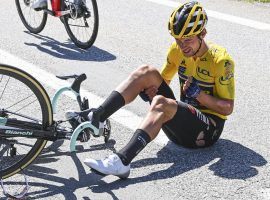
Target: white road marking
{"points": [[123, 117], [221, 16]]}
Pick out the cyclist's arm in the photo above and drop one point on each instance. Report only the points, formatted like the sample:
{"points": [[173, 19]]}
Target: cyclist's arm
{"points": [[170, 67], [223, 103], [221, 106]]}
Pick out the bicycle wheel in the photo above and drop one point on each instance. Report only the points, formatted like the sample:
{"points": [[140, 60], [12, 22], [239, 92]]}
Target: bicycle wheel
{"points": [[34, 21], [25, 99], [82, 22]]}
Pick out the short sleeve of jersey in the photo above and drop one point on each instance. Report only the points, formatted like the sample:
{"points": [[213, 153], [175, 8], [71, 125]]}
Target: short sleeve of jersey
{"points": [[170, 68], [224, 79]]}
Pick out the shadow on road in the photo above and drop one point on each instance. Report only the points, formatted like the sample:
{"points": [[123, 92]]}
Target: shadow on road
{"points": [[234, 161], [68, 50], [60, 185], [226, 159]]}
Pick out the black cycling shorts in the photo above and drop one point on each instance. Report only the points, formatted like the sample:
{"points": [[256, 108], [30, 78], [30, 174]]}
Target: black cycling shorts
{"points": [[188, 122]]}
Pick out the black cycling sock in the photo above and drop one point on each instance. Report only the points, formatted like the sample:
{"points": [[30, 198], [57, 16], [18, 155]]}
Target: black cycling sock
{"points": [[113, 103], [139, 140], [165, 90]]}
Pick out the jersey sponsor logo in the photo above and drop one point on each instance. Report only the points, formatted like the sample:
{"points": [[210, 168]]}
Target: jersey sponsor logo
{"points": [[226, 79], [202, 73], [183, 62], [199, 115], [203, 118], [182, 69], [214, 51]]}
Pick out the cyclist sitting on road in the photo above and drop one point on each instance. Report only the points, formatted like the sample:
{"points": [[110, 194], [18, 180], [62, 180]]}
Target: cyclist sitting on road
{"points": [[206, 74]]}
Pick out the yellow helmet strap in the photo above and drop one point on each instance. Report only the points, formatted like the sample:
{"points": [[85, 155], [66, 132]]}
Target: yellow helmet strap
{"points": [[200, 41]]}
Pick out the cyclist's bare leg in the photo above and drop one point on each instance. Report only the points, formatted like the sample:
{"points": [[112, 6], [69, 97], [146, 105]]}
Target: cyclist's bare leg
{"points": [[162, 110], [142, 78]]}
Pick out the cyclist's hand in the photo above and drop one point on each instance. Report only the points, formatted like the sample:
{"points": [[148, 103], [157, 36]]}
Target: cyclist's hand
{"points": [[191, 88]]}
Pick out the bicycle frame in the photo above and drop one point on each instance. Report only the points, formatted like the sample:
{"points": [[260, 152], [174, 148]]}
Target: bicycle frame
{"points": [[18, 128], [15, 127], [54, 8]]}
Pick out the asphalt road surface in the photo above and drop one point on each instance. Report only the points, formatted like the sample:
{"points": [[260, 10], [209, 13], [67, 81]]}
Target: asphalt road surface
{"points": [[133, 33]]}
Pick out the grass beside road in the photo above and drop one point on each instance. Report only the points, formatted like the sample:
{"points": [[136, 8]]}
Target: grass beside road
{"points": [[260, 1], [266, 2]]}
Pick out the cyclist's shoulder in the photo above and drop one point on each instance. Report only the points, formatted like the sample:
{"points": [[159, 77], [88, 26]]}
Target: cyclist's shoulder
{"points": [[174, 50], [219, 54]]}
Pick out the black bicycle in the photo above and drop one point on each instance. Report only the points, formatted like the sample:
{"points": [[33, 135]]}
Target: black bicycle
{"points": [[26, 119], [80, 18]]}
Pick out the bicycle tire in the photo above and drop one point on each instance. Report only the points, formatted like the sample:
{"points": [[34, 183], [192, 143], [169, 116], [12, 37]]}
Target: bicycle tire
{"points": [[46, 113], [26, 22], [82, 44]]}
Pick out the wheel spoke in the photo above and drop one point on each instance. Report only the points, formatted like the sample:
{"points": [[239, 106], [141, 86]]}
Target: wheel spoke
{"points": [[83, 28], [33, 20], [20, 100]]}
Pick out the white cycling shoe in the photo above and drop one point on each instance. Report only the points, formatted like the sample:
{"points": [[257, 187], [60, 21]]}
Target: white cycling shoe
{"points": [[111, 165]]}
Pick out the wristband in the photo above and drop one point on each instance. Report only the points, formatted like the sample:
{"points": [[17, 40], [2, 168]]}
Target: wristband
{"points": [[193, 90]]}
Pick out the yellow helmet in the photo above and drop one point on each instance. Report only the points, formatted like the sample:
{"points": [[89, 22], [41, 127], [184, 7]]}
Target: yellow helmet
{"points": [[187, 20]]}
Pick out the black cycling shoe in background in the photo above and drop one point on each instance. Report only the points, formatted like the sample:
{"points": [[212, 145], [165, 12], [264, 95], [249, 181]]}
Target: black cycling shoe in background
{"points": [[93, 116], [75, 120]]}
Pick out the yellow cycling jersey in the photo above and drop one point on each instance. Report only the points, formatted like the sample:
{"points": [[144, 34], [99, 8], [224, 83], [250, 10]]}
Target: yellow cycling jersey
{"points": [[214, 72]]}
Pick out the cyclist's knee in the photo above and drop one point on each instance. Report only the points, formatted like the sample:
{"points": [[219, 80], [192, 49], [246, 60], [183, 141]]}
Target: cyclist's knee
{"points": [[145, 71], [159, 100], [167, 107], [160, 104]]}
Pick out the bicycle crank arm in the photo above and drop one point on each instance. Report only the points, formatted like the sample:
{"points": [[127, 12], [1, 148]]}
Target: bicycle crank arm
{"points": [[61, 13], [57, 13], [49, 12], [77, 131]]}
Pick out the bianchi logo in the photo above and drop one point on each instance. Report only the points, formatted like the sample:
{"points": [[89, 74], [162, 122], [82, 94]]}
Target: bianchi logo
{"points": [[13, 132]]}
